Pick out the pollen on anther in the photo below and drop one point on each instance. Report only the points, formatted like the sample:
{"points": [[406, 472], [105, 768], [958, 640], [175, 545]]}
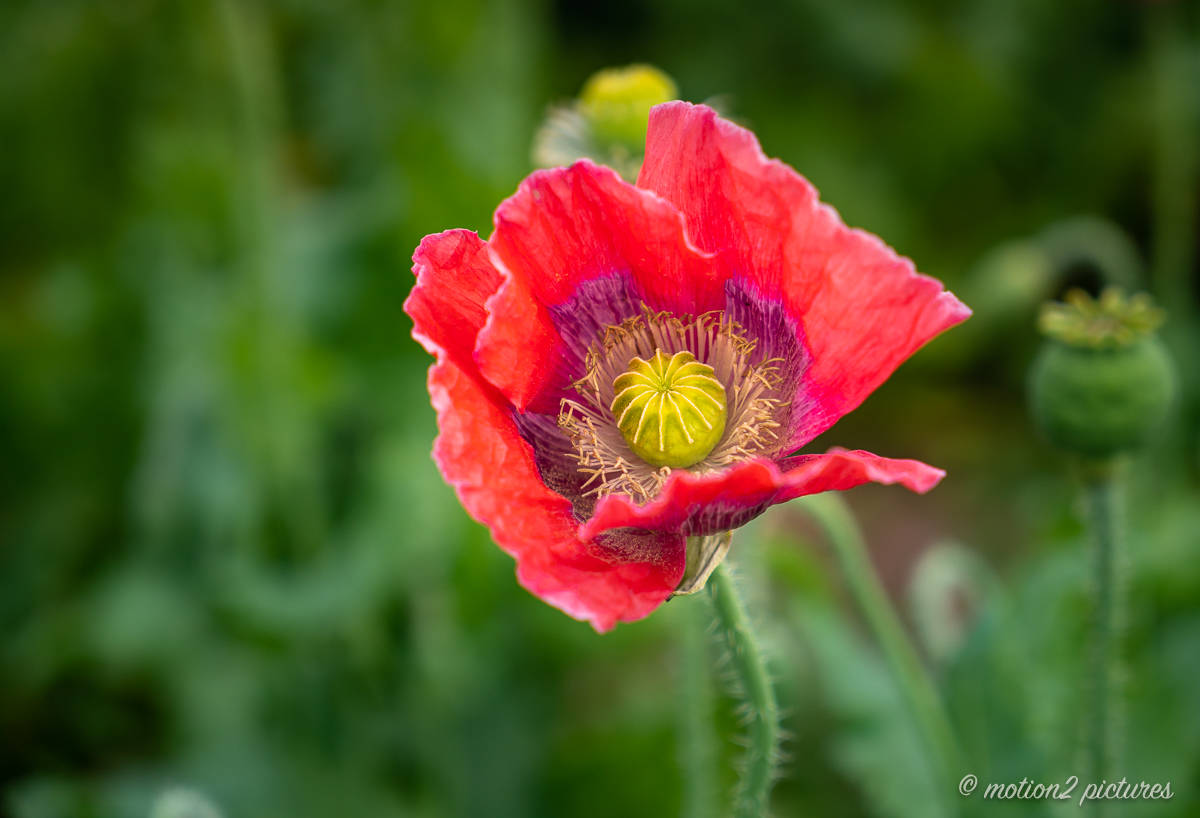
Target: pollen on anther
{"points": [[722, 355]]}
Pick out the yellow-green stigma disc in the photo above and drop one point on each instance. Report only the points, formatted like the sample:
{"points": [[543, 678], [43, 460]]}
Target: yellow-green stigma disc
{"points": [[671, 409]]}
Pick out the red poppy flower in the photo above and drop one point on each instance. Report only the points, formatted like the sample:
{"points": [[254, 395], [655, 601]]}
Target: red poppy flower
{"points": [[717, 252]]}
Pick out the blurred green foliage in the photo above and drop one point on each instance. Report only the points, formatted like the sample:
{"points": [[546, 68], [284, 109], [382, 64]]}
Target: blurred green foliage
{"points": [[226, 561]]}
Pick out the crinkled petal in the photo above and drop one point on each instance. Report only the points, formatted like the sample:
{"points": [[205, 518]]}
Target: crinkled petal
{"points": [[519, 350], [581, 233], [455, 278], [862, 308], [492, 470], [698, 505]]}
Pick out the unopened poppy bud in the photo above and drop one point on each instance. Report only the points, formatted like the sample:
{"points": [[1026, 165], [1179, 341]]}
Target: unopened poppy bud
{"points": [[617, 103], [670, 410], [1103, 382]]}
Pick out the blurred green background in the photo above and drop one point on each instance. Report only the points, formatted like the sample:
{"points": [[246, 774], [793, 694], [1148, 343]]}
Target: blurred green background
{"points": [[227, 563]]}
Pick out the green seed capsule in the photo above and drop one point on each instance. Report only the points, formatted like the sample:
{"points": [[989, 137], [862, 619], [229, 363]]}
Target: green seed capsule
{"points": [[1103, 382], [671, 409], [1098, 402]]}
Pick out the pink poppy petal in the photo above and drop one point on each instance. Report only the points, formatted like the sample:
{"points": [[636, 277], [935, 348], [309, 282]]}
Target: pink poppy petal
{"points": [[492, 470], [566, 228], [455, 279], [863, 309], [697, 505]]}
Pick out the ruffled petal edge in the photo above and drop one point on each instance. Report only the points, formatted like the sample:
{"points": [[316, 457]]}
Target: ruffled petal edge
{"points": [[455, 279], [492, 470], [564, 234], [863, 308], [703, 504]]}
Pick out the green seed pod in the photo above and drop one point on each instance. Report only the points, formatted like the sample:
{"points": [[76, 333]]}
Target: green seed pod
{"points": [[1102, 383], [671, 409]]}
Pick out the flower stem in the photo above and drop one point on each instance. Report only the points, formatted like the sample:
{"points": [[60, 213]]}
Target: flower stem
{"points": [[759, 710], [1100, 496], [1176, 159], [835, 519], [1175, 118], [698, 749]]}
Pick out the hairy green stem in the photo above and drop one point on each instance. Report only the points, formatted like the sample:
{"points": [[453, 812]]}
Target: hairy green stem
{"points": [[1174, 114], [1100, 493], [698, 743], [837, 522], [1177, 159], [760, 712]]}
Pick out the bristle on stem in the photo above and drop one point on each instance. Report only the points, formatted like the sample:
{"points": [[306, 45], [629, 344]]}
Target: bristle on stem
{"points": [[758, 711]]}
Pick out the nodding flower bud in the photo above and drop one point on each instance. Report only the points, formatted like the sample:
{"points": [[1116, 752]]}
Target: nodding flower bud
{"points": [[1103, 382], [670, 410], [617, 103], [608, 122]]}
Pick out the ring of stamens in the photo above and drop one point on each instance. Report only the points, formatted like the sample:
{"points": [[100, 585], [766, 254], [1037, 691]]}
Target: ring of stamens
{"points": [[753, 399]]}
